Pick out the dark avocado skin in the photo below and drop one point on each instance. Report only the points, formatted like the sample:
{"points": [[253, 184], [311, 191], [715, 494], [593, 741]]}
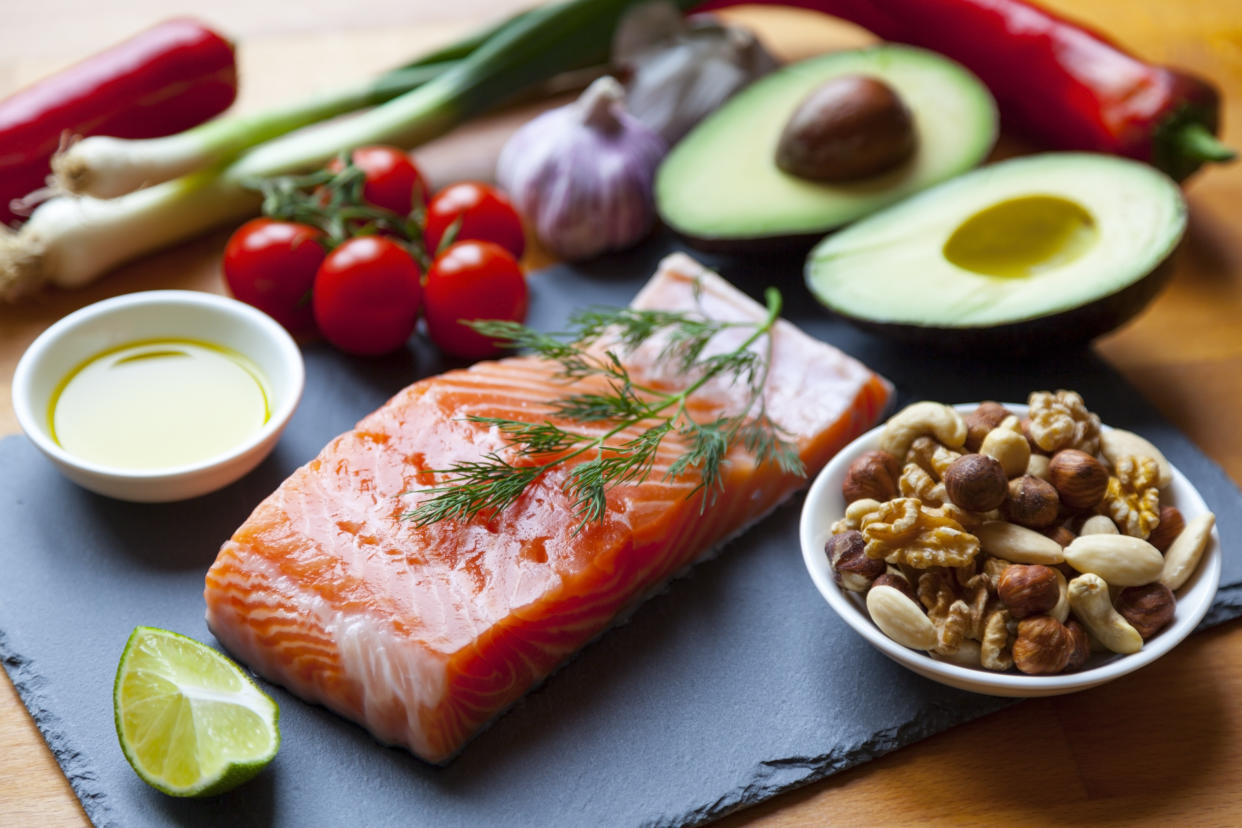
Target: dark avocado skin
{"points": [[1066, 330], [793, 245]]}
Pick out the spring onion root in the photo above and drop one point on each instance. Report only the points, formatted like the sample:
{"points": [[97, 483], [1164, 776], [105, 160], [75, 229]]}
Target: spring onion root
{"points": [[68, 242]]}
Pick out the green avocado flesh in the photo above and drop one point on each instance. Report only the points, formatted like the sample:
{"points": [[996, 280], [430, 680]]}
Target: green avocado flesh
{"points": [[1071, 241], [720, 185]]}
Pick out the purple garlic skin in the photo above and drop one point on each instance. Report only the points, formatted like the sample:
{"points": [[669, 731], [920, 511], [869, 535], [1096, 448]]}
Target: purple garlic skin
{"points": [[582, 174]]}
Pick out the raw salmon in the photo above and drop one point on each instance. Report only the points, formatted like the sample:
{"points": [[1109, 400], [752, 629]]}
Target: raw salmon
{"points": [[424, 634]]}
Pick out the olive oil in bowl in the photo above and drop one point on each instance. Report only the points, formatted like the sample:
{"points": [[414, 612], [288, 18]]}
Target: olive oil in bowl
{"points": [[159, 404]]}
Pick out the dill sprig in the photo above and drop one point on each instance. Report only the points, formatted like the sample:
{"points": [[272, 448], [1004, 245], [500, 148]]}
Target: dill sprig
{"points": [[590, 347]]}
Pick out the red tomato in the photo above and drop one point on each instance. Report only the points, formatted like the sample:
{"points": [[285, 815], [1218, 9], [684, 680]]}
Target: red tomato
{"points": [[271, 265], [485, 212], [392, 178], [472, 280], [367, 295]]}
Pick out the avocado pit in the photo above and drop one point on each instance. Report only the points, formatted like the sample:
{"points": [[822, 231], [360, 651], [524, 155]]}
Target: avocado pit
{"points": [[1021, 237], [848, 128]]}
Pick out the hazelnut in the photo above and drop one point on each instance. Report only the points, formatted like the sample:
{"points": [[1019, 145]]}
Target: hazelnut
{"points": [[982, 420], [1028, 589], [1043, 646], [1025, 425], [1149, 608], [1171, 525], [873, 475], [1061, 535], [976, 482], [1032, 502], [1079, 478], [1082, 645], [897, 581], [851, 567]]}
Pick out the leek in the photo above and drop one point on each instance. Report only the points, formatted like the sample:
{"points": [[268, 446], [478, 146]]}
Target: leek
{"points": [[69, 241]]}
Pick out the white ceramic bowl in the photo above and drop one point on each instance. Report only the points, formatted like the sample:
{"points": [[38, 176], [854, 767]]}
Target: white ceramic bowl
{"points": [[825, 504], [158, 314]]}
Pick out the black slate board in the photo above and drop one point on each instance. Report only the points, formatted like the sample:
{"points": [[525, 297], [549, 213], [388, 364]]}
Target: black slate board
{"points": [[732, 685]]}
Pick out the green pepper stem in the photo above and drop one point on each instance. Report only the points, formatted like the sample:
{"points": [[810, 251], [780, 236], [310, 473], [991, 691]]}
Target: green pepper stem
{"points": [[1196, 142]]}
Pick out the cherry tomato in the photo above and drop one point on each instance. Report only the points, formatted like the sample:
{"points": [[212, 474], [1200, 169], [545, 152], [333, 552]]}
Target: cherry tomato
{"points": [[367, 295], [472, 280], [392, 179], [271, 265], [485, 212]]}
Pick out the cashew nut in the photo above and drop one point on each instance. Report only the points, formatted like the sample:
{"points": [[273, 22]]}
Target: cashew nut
{"points": [[1119, 559], [1061, 611], [1039, 466], [1183, 556], [900, 618], [966, 655], [1017, 544], [1116, 443], [1008, 446], [1099, 525], [1088, 598], [913, 421]]}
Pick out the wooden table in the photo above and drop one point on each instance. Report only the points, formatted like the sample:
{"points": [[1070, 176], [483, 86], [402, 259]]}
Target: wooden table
{"points": [[1163, 746]]}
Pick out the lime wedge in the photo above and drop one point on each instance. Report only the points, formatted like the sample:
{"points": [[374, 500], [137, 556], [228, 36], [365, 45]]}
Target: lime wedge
{"points": [[190, 722]]}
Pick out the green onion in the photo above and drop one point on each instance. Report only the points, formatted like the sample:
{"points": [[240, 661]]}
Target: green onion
{"points": [[107, 167], [69, 242]]}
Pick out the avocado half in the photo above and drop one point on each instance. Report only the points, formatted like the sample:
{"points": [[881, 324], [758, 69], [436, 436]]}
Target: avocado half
{"points": [[1034, 253], [720, 187]]}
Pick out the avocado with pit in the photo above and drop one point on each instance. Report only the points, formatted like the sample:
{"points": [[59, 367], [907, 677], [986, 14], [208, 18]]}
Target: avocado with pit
{"points": [[721, 187], [1034, 253]]}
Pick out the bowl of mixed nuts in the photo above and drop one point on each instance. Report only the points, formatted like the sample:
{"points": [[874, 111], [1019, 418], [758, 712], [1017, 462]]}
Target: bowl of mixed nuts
{"points": [[1008, 549]]}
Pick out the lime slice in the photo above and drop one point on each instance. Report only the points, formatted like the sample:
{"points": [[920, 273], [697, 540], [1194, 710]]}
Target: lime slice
{"points": [[190, 722]]}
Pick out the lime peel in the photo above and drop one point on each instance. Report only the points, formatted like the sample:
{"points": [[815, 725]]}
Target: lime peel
{"points": [[189, 720]]}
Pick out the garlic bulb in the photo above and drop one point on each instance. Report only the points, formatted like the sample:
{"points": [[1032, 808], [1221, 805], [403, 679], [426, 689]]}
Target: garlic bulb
{"points": [[582, 174], [680, 70]]}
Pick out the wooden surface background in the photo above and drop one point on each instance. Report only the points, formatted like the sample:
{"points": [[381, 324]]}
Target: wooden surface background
{"points": [[1160, 747]]}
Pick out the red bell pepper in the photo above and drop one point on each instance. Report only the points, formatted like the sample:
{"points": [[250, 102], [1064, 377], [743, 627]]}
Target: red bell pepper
{"points": [[1055, 81], [161, 81]]}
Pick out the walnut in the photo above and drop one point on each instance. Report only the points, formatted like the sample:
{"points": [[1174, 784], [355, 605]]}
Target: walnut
{"points": [[1043, 646], [936, 593], [873, 475], [904, 531], [1132, 499], [917, 483], [931, 456], [978, 597], [994, 651], [1060, 420], [1149, 608]]}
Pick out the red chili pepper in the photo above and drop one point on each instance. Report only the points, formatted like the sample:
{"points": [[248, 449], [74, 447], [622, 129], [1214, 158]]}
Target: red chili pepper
{"points": [[1054, 81], [161, 81]]}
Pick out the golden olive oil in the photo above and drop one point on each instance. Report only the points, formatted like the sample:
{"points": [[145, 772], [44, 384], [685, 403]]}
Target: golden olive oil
{"points": [[159, 404]]}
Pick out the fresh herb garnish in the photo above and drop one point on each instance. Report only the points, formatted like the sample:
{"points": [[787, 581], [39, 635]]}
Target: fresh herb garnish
{"points": [[492, 483]]}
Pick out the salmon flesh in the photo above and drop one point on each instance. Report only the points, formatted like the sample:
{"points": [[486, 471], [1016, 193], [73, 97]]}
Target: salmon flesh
{"points": [[425, 634]]}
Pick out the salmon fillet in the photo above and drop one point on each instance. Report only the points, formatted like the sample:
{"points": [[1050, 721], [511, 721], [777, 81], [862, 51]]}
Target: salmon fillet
{"points": [[424, 634]]}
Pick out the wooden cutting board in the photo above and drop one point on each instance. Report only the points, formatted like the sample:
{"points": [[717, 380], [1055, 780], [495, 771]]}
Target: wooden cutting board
{"points": [[1160, 746]]}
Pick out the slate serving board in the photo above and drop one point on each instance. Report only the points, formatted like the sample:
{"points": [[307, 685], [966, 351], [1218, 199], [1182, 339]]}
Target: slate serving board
{"points": [[732, 685]]}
